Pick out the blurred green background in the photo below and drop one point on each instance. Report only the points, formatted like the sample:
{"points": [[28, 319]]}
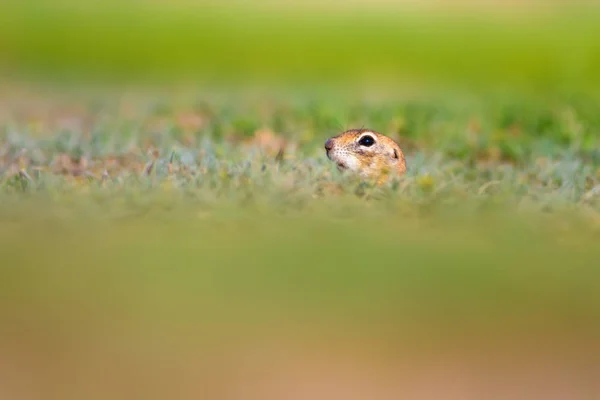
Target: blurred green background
{"points": [[531, 44]]}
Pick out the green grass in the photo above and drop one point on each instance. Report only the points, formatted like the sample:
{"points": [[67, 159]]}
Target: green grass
{"points": [[539, 49], [155, 214], [499, 219]]}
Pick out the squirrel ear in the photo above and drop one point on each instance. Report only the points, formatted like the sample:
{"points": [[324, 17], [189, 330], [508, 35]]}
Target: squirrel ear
{"points": [[395, 154]]}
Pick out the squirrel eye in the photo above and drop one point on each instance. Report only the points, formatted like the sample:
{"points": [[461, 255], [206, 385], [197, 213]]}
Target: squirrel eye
{"points": [[366, 141]]}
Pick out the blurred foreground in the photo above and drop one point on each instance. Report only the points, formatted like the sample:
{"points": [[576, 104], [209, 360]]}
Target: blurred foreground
{"points": [[336, 301]]}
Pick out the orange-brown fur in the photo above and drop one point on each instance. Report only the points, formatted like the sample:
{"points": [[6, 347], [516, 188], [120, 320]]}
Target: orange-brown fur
{"points": [[381, 160]]}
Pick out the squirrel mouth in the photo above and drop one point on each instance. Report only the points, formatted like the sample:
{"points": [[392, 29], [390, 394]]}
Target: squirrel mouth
{"points": [[341, 166]]}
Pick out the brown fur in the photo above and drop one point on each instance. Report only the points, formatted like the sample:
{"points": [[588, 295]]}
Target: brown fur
{"points": [[380, 161]]}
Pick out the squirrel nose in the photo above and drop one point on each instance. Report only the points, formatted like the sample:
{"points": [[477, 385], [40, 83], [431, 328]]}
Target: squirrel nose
{"points": [[329, 144]]}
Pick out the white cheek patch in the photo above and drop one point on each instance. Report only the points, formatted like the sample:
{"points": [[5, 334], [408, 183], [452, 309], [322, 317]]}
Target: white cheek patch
{"points": [[346, 158], [351, 162]]}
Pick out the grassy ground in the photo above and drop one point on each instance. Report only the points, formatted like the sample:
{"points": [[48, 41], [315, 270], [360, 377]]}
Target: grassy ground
{"points": [[186, 230], [176, 182], [199, 234]]}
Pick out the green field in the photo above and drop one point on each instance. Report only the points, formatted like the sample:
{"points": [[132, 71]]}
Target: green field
{"points": [[541, 47], [165, 191]]}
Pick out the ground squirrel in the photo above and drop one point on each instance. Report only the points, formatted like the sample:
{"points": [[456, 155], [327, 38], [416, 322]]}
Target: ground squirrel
{"points": [[368, 153]]}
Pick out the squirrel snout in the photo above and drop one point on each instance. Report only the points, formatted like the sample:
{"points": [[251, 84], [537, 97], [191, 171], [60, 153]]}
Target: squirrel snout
{"points": [[329, 144]]}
